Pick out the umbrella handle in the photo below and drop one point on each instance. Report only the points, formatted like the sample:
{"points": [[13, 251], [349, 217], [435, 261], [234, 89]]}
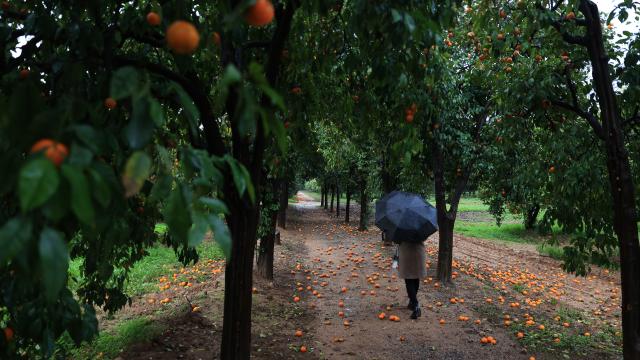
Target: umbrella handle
{"points": [[396, 259]]}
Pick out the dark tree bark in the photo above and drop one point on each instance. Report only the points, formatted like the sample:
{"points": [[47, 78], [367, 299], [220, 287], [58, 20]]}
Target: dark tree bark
{"points": [[265, 251], [284, 204], [364, 216], [322, 196], [243, 213], [326, 197], [347, 208], [447, 217], [620, 178], [337, 201], [333, 194], [531, 217]]}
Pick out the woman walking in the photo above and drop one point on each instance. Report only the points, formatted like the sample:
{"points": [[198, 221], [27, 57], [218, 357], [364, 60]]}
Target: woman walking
{"points": [[412, 268]]}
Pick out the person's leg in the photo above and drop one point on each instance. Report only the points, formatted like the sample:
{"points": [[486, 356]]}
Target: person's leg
{"points": [[409, 284], [414, 292]]}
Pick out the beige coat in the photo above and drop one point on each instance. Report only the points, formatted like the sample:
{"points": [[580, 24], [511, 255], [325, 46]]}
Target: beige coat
{"points": [[412, 260]]}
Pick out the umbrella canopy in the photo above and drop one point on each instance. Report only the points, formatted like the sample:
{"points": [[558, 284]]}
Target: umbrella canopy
{"points": [[405, 216]]}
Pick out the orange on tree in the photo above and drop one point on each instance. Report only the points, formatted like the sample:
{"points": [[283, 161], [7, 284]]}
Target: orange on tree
{"points": [[259, 14], [24, 73], [54, 151], [216, 38], [110, 103], [153, 18], [182, 37], [8, 334]]}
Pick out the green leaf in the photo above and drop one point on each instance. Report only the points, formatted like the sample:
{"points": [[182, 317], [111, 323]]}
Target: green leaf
{"points": [[190, 109], [221, 234], [14, 235], [79, 155], [80, 195], [241, 178], [136, 171], [215, 205], [54, 261], [161, 189], [231, 76], [125, 82], [198, 230], [141, 126], [155, 111], [37, 182], [102, 192], [177, 216]]}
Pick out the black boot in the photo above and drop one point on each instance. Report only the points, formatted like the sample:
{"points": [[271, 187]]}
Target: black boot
{"points": [[416, 312], [411, 305]]}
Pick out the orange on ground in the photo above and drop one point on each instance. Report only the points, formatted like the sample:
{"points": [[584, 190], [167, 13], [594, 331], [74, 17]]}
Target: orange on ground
{"points": [[442, 322], [182, 37], [303, 349], [296, 299], [153, 18], [298, 333], [259, 14], [54, 151], [381, 316]]}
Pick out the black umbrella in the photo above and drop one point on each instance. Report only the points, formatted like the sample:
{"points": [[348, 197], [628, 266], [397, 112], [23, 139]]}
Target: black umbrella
{"points": [[405, 216]]}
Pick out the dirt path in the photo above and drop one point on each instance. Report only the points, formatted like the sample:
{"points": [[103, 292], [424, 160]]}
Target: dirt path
{"points": [[341, 257], [496, 282], [343, 281]]}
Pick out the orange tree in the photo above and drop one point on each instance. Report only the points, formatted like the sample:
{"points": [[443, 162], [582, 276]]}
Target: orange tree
{"points": [[148, 111], [115, 116], [551, 61]]}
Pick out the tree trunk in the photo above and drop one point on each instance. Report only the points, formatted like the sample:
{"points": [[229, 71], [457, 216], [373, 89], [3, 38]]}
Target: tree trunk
{"points": [[621, 182], [337, 201], [243, 213], [363, 206], [284, 204], [322, 196], [243, 224], [333, 194], [347, 210], [445, 248], [265, 251], [531, 217], [326, 197]]}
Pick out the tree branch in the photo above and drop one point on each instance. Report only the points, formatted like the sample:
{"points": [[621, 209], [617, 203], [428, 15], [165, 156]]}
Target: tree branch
{"points": [[595, 124], [571, 39], [194, 88]]}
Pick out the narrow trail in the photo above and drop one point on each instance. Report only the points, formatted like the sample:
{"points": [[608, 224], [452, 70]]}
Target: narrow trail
{"points": [[344, 279]]}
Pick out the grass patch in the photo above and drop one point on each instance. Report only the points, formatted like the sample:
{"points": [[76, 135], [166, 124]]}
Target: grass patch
{"points": [[506, 232], [161, 260], [472, 204], [109, 345], [143, 277], [552, 251]]}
